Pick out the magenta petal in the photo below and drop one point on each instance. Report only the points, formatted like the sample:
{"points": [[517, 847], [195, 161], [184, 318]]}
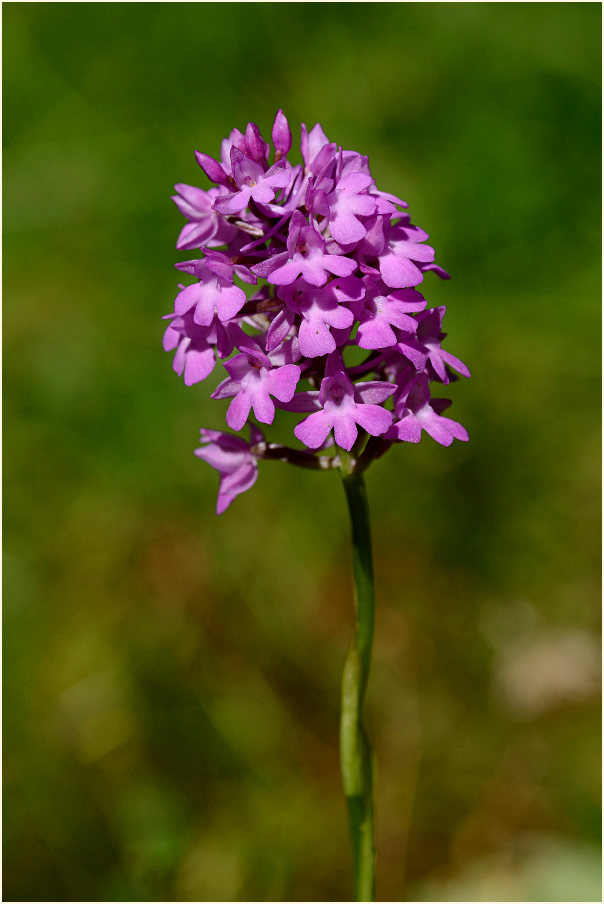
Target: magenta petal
{"points": [[237, 367], [265, 268], [400, 320], [198, 365], [234, 484], [178, 362], [238, 411], [341, 266], [255, 146], [345, 430], [415, 234], [304, 401], [355, 182], [339, 317], [186, 299], [373, 392], [347, 288], [408, 300], [433, 425], [439, 366], [313, 270], [373, 418], [196, 234], [226, 390], [207, 302], [399, 272], [279, 329], [455, 363], [212, 168], [231, 301], [314, 430], [262, 193], [171, 339], [279, 175], [407, 430], [347, 230], [413, 350], [286, 274], [231, 204], [282, 381], [224, 460], [376, 333], [422, 253], [438, 270], [315, 338], [263, 406], [457, 430], [244, 168]]}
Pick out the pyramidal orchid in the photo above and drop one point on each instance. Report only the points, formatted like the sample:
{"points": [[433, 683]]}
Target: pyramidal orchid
{"points": [[301, 264]]}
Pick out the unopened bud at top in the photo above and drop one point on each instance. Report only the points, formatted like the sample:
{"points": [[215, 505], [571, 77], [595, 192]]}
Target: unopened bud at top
{"points": [[281, 135], [255, 145]]}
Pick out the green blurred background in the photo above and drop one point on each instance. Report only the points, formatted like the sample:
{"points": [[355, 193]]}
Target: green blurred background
{"points": [[172, 679]]}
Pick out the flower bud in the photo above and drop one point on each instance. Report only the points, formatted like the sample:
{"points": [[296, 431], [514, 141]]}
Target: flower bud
{"points": [[281, 135], [212, 169], [255, 146]]}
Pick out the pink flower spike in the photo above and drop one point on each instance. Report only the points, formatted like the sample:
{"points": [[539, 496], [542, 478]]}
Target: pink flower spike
{"points": [[334, 328]]}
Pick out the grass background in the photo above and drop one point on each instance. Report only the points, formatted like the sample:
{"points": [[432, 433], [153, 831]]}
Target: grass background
{"points": [[172, 680]]}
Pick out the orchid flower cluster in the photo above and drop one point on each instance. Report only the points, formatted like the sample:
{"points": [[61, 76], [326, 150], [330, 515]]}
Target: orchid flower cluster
{"points": [[335, 264]]}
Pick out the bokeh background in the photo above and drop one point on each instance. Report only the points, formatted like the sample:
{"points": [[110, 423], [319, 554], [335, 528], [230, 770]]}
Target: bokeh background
{"points": [[172, 679]]}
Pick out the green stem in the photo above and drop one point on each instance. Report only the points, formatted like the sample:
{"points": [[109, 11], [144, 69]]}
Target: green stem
{"points": [[355, 752]]}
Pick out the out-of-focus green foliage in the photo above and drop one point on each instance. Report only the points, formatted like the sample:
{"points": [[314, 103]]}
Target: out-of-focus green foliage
{"points": [[172, 680]]}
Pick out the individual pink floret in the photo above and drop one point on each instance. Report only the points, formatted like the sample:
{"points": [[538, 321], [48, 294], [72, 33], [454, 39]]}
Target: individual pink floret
{"points": [[205, 226], [253, 183], [253, 378], [344, 406], [380, 312], [231, 456], [430, 334], [416, 412], [320, 310], [306, 257]]}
